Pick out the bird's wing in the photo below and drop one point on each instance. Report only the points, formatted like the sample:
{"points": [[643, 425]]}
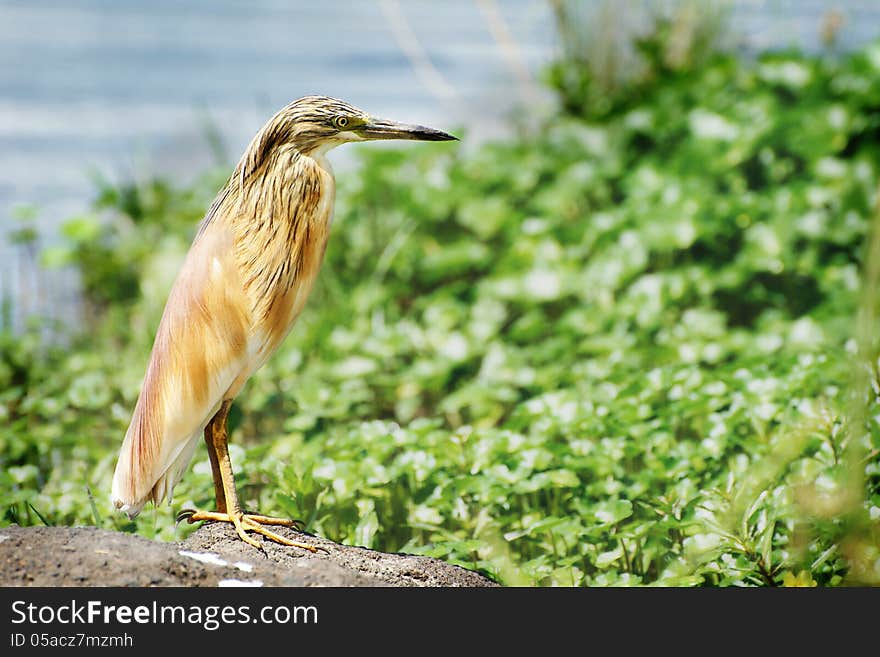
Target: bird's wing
{"points": [[201, 348]]}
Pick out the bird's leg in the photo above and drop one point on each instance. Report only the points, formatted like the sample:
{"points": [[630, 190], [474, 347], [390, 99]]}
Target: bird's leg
{"points": [[219, 494], [228, 507]]}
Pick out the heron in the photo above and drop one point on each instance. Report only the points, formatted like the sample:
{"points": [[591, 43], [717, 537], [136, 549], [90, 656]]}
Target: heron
{"points": [[242, 285]]}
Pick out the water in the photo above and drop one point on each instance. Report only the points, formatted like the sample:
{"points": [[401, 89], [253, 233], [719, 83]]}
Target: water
{"points": [[125, 88]]}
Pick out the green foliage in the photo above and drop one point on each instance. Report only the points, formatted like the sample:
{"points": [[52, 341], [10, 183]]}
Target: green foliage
{"points": [[618, 351], [616, 53], [111, 255]]}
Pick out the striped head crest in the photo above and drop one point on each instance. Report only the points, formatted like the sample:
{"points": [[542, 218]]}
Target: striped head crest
{"points": [[314, 124]]}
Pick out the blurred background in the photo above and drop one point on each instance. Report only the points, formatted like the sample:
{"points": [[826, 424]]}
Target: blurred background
{"points": [[128, 90], [623, 333]]}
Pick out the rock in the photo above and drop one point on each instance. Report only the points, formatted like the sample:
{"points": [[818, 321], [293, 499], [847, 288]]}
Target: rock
{"points": [[211, 556]]}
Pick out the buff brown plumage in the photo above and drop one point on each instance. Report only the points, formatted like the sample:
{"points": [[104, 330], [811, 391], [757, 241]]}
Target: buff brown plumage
{"points": [[245, 280]]}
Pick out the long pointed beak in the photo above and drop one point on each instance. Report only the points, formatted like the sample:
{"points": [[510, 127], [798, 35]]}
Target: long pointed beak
{"points": [[381, 129]]}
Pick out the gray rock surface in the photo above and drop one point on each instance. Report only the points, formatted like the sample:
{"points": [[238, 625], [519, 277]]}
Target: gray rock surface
{"points": [[211, 556]]}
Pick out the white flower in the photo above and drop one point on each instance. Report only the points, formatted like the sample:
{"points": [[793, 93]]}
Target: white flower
{"points": [[709, 125]]}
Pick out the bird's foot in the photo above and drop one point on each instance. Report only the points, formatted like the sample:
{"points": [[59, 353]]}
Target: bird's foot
{"points": [[250, 522]]}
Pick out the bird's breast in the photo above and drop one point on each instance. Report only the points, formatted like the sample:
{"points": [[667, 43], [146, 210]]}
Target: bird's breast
{"points": [[281, 252]]}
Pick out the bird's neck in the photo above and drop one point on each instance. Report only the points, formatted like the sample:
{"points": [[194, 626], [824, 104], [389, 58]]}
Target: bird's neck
{"points": [[288, 187], [290, 191], [319, 156], [280, 230]]}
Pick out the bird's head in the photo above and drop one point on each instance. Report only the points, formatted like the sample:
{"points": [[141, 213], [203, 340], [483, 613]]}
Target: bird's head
{"points": [[312, 125], [319, 123]]}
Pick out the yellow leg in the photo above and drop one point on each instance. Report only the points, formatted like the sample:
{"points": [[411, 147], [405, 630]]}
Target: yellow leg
{"points": [[210, 430], [228, 507]]}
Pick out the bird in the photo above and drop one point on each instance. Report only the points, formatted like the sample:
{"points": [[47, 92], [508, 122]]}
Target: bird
{"points": [[243, 284]]}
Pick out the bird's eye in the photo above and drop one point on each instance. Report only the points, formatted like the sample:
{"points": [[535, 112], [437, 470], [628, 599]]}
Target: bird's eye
{"points": [[341, 122]]}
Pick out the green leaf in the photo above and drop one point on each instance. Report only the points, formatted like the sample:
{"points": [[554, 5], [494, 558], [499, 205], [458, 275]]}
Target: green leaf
{"points": [[613, 511]]}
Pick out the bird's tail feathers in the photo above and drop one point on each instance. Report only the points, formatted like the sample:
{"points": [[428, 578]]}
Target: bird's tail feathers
{"points": [[127, 497]]}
